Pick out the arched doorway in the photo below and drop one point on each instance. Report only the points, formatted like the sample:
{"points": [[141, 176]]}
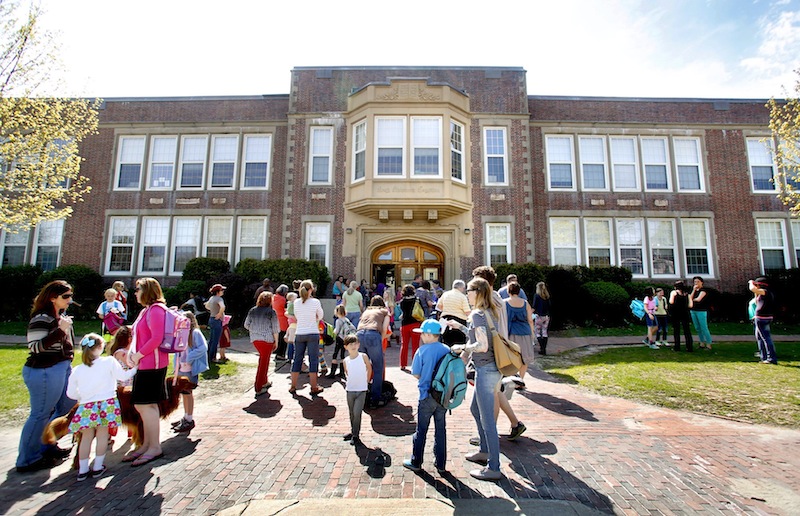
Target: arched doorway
{"points": [[398, 263]]}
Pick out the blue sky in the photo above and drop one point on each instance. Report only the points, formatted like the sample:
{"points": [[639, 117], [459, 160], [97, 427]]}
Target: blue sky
{"points": [[626, 48]]}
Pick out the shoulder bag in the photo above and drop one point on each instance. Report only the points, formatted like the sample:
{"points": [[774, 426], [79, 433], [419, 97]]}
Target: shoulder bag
{"points": [[507, 355], [418, 313]]}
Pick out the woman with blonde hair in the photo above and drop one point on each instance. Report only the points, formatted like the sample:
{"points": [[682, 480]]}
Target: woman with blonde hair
{"points": [[353, 303], [308, 311]]}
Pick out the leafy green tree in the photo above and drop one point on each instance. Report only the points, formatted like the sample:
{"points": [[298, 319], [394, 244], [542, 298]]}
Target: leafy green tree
{"points": [[39, 134], [784, 120]]}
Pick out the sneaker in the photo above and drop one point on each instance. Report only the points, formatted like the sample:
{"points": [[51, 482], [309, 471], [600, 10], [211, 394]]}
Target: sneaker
{"points": [[653, 345], [347, 437], [441, 471], [186, 426], [517, 431], [177, 423], [486, 474], [410, 465], [263, 390], [757, 354], [645, 342], [475, 441], [83, 476], [478, 458], [98, 473]]}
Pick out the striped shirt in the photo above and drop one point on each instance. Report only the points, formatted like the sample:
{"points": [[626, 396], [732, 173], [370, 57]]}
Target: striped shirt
{"points": [[262, 323], [47, 343]]}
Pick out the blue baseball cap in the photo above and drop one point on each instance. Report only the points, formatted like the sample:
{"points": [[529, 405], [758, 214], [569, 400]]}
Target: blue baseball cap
{"points": [[430, 326]]}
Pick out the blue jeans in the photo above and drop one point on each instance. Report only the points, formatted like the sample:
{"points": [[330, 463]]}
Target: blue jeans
{"points": [[700, 322], [48, 396], [354, 317], [213, 342], [764, 339], [370, 343], [428, 408], [301, 343], [486, 379]]}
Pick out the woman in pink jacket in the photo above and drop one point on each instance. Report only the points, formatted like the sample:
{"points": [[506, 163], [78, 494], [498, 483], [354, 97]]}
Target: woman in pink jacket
{"points": [[149, 384]]}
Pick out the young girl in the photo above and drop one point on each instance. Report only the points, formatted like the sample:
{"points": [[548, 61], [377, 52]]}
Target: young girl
{"points": [[94, 385], [358, 369], [191, 362], [341, 329], [121, 295], [113, 306], [120, 347], [292, 320], [650, 317], [661, 317]]}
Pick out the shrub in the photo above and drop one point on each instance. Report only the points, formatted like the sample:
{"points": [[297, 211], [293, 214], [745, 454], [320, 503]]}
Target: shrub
{"points": [[19, 282], [204, 269], [238, 296], [86, 282], [606, 303], [284, 271], [179, 294]]}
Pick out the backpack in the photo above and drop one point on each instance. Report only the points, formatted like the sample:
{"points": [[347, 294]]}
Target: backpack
{"points": [[449, 381], [176, 330], [637, 308], [347, 329], [326, 333]]}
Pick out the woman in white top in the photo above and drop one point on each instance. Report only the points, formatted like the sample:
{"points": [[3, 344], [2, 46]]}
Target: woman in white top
{"points": [[308, 312]]}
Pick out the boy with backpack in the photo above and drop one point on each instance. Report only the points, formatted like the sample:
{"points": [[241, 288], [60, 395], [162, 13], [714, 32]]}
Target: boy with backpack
{"points": [[424, 367]]}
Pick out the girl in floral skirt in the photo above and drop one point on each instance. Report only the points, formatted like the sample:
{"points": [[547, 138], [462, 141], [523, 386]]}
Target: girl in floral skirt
{"points": [[94, 384]]}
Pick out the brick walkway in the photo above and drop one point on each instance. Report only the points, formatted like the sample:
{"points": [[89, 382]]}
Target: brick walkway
{"points": [[599, 453]]}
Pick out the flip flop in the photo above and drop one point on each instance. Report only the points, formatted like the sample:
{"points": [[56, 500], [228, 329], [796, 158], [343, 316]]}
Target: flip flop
{"points": [[132, 456], [144, 459]]}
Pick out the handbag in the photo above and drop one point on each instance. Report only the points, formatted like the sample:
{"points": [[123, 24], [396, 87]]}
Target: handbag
{"points": [[418, 313], [507, 355]]}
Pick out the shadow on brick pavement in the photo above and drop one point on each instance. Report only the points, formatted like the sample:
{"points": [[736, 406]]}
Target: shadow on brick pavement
{"points": [[582, 454]]}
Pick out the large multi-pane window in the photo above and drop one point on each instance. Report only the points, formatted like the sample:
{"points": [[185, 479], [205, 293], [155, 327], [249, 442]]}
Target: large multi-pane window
{"points": [[193, 161], [593, 162], [630, 237], [321, 155], [224, 149], [662, 246], [47, 250], [252, 240], [495, 156], [426, 138], [498, 244], [155, 238], [255, 160], [598, 242], [391, 140], [13, 248], [185, 242], [359, 151], [687, 161], [624, 163], [762, 167], [656, 164], [162, 161], [564, 241], [122, 242], [697, 246], [456, 151], [130, 159], [218, 238], [318, 242], [560, 162], [772, 243], [795, 224]]}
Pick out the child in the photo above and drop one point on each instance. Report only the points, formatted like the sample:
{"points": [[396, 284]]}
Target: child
{"points": [[191, 362], [323, 365], [341, 329], [121, 296], [292, 320], [650, 317], [358, 369], [120, 348], [113, 306], [94, 384], [661, 317], [422, 367]]}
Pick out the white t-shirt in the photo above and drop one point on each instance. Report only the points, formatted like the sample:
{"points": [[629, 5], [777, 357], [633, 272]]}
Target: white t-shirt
{"points": [[98, 382], [356, 373], [308, 315]]}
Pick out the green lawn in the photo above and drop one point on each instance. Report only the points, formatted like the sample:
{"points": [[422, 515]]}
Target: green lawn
{"points": [[727, 381], [716, 328]]}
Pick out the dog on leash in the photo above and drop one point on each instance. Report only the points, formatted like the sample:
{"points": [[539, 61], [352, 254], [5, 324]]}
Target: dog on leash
{"points": [[59, 427]]}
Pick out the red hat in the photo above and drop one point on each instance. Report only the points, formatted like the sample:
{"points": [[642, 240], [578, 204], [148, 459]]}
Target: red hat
{"points": [[216, 288]]}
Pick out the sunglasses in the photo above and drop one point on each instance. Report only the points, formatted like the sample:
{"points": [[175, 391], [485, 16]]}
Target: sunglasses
{"points": [[66, 296]]}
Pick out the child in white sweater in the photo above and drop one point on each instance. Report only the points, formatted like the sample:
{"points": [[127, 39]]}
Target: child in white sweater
{"points": [[94, 384]]}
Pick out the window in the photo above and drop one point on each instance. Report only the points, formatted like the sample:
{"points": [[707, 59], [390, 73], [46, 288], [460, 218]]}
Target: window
{"points": [[186, 242], [426, 137], [762, 168], [359, 151], [495, 159], [223, 160], [498, 244], [193, 161], [772, 242], [631, 245], [662, 246], [624, 164], [560, 163], [129, 162], [564, 241], [252, 238], [391, 146], [318, 242], [593, 163], [457, 151], [47, 251], [598, 242], [121, 243], [155, 237], [321, 159], [256, 160], [796, 239], [13, 248], [162, 162], [687, 161], [218, 238], [696, 246], [656, 166]]}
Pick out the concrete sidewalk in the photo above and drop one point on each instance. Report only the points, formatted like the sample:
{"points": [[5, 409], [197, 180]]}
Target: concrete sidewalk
{"points": [[582, 454]]}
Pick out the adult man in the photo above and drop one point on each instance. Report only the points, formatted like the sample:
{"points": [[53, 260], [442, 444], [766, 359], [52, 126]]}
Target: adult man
{"points": [[503, 292], [454, 305], [265, 287]]}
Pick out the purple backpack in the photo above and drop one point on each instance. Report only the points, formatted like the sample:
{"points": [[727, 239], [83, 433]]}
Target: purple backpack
{"points": [[176, 330]]}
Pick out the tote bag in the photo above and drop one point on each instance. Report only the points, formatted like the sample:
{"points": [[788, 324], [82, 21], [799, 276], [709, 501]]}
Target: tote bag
{"points": [[507, 355], [418, 313]]}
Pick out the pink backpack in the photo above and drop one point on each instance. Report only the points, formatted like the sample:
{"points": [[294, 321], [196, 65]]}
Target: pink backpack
{"points": [[176, 330]]}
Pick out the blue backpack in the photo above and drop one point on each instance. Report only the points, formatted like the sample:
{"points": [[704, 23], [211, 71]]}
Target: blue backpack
{"points": [[637, 308], [449, 381]]}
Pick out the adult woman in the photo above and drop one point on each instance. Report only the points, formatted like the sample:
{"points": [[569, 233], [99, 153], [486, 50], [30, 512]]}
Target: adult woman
{"points": [[373, 326], [262, 323], [699, 312], [308, 312], [520, 324], [216, 314], [149, 384], [487, 377], [279, 305], [338, 288], [46, 373], [541, 307], [388, 300], [679, 304], [408, 337], [353, 303]]}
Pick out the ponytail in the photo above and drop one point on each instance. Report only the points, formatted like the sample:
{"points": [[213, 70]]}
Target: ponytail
{"points": [[352, 288], [306, 287]]}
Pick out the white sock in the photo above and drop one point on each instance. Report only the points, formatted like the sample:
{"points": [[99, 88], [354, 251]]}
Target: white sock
{"points": [[83, 466], [188, 417], [98, 462]]}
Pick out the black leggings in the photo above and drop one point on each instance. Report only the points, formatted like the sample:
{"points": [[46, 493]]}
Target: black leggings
{"points": [[338, 350]]}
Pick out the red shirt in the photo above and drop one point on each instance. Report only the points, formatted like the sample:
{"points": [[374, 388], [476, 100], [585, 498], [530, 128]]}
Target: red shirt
{"points": [[279, 305]]}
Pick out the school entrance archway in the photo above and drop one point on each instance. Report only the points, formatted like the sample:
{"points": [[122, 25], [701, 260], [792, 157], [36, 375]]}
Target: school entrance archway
{"points": [[397, 263]]}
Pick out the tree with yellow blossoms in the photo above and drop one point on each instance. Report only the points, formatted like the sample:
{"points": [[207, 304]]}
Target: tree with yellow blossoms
{"points": [[784, 120]]}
